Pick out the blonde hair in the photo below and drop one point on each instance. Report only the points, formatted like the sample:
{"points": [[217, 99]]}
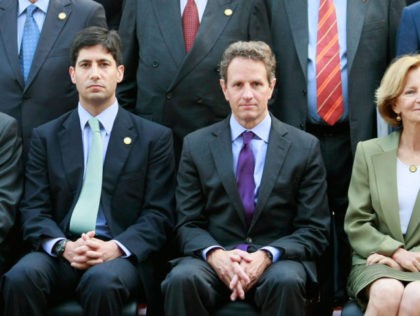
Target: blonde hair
{"points": [[392, 86]]}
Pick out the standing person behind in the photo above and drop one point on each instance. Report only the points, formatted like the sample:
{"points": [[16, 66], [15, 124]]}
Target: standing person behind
{"points": [[172, 50], [10, 182], [383, 217], [34, 49], [113, 10], [251, 221], [363, 43], [408, 40], [99, 196]]}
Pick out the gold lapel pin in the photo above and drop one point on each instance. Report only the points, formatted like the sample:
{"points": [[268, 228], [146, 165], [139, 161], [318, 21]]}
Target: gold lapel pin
{"points": [[62, 15], [127, 140], [228, 12]]}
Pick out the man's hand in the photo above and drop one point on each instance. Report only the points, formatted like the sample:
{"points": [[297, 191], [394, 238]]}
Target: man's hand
{"points": [[255, 267], [88, 251], [376, 258], [408, 260], [228, 268]]}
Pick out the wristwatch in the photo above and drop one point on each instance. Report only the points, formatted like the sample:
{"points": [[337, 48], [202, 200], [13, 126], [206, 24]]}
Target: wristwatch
{"points": [[59, 247]]}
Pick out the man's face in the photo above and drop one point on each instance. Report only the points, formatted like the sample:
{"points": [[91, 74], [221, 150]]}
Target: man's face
{"points": [[96, 76], [247, 90]]}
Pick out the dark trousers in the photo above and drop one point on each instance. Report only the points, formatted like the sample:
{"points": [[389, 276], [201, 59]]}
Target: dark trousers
{"points": [[39, 279], [193, 288], [338, 158]]}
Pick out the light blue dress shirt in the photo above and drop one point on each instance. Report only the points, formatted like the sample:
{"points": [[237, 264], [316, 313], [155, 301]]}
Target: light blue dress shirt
{"points": [[39, 16], [341, 12]]}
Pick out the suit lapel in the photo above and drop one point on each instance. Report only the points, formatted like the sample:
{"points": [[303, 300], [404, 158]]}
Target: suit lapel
{"points": [[8, 16], [168, 17], [71, 145], [221, 149], [278, 147], [213, 23], [414, 224], [385, 175], [49, 34], [356, 12], [299, 29], [118, 149]]}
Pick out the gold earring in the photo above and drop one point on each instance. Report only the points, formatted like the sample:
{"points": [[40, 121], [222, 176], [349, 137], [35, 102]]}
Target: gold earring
{"points": [[398, 118]]}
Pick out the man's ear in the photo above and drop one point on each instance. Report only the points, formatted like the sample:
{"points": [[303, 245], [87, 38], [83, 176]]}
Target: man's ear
{"points": [[71, 72], [223, 86]]}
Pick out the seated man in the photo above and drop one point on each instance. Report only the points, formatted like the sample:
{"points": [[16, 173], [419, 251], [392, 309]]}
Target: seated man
{"points": [[251, 202], [10, 182], [98, 199]]}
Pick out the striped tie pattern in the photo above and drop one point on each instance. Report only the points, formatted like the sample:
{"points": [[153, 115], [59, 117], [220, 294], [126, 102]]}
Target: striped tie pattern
{"points": [[190, 24], [330, 102]]}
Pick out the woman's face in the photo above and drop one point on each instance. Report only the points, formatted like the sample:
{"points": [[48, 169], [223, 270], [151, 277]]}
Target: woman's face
{"points": [[408, 103]]}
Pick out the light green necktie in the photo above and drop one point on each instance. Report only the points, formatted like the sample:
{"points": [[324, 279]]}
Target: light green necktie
{"points": [[85, 212]]}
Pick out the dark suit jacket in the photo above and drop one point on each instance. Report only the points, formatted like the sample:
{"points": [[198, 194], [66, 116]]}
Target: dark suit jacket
{"points": [[291, 214], [164, 83], [138, 182], [371, 31], [408, 40], [49, 91], [11, 181]]}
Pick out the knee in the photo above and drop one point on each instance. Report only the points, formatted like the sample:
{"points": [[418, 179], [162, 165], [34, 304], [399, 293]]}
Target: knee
{"points": [[181, 278], [292, 283], [385, 295], [99, 282], [410, 303]]}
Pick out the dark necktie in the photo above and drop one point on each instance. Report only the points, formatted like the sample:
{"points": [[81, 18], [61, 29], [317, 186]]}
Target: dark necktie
{"points": [[245, 175], [330, 102], [190, 24], [30, 37]]}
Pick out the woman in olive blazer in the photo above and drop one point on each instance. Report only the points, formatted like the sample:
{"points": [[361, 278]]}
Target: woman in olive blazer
{"points": [[383, 217]]}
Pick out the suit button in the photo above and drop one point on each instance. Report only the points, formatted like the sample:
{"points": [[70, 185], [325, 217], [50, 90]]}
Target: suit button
{"points": [[301, 126], [155, 64], [200, 101], [248, 240], [169, 96], [304, 92]]}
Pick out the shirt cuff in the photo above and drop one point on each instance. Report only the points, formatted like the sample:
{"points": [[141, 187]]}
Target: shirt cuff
{"points": [[49, 243], [207, 250], [127, 253], [275, 253]]}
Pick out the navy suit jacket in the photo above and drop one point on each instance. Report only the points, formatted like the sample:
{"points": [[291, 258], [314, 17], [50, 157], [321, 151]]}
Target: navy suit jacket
{"points": [[137, 190], [49, 91], [408, 41], [162, 81]]}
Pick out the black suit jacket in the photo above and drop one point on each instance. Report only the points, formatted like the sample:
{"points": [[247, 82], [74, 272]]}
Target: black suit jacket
{"points": [[167, 85], [49, 91], [291, 214], [138, 182], [371, 31]]}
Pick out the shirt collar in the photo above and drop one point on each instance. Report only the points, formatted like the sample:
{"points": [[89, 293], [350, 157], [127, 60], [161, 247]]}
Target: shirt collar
{"points": [[262, 130], [106, 117], [41, 4]]}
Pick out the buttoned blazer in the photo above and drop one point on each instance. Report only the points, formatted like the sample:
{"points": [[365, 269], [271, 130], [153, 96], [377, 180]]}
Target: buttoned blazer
{"points": [[162, 81], [291, 214], [371, 32], [372, 220], [408, 41], [49, 91], [138, 182]]}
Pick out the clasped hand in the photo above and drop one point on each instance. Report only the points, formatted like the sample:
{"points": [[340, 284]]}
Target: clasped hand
{"points": [[238, 269], [401, 260], [88, 251]]}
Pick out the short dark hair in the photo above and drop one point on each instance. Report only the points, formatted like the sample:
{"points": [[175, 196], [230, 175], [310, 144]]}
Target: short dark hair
{"points": [[95, 35], [254, 50]]}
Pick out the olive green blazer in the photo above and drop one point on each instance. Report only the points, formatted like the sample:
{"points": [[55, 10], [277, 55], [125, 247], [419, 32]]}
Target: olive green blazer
{"points": [[372, 221]]}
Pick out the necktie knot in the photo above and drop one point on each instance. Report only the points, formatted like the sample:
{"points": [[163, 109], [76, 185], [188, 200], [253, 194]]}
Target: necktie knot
{"points": [[247, 136], [30, 10], [94, 125]]}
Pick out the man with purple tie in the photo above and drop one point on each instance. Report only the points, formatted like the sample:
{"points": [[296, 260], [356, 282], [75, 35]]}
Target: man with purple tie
{"points": [[251, 202]]}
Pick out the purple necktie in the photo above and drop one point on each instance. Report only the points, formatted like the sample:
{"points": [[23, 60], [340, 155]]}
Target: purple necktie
{"points": [[245, 176]]}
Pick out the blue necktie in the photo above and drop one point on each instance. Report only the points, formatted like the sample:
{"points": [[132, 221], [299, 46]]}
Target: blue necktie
{"points": [[83, 218], [245, 176], [29, 43]]}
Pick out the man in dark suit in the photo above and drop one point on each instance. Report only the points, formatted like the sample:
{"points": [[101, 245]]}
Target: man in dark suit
{"points": [[48, 91], [366, 39], [257, 242], [11, 183], [408, 39], [170, 85], [113, 10], [106, 264]]}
